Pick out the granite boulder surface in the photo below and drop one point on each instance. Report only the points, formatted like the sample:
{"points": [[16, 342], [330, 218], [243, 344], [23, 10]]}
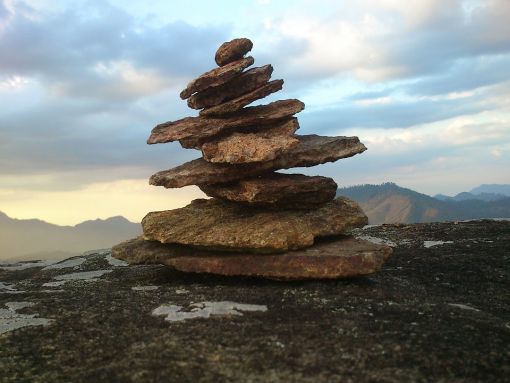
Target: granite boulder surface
{"points": [[437, 311]]}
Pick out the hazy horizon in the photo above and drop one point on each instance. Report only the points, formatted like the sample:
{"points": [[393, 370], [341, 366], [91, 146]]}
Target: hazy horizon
{"points": [[424, 84], [204, 196], [384, 203]]}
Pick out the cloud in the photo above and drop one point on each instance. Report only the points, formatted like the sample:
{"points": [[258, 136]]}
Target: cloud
{"points": [[464, 75], [384, 112], [450, 155], [456, 134], [99, 50], [63, 136], [4, 11], [384, 40], [85, 86]]}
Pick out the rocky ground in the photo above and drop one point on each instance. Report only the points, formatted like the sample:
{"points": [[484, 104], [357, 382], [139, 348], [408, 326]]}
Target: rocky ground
{"points": [[438, 311]]}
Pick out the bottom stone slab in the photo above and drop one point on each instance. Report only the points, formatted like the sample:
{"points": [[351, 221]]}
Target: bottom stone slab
{"points": [[327, 259]]}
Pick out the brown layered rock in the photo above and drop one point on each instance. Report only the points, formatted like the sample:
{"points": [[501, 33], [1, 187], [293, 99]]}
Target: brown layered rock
{"points": [[278, 190], [241, 101], [192, 132], [253, 209], [216, 76], [327, 259], [216, 224], [239, 85], [232, 51], [312, 150], [262, 146]]}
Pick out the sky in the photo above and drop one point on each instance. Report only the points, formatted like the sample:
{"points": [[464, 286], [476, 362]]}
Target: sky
{"points": [[424, 83]]}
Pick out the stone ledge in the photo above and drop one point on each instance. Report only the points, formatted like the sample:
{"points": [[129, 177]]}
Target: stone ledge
{"points": [[437, 311]]}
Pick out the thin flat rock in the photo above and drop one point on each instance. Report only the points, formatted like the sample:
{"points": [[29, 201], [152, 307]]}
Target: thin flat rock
{"points": [[279, 190], [328, 259], [241, 101], [239, 85], [232, 50], [264, 145], [192, 132], [312, 150], [220, 225], [216, 76]]}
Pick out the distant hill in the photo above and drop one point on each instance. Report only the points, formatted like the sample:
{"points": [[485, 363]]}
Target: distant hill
{"points": [[492, 188], [390, 203], [36, 239], [465, 196]]}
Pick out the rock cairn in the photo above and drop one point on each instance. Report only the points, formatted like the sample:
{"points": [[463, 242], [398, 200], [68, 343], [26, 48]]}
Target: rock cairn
{"points": [[258, 222]]}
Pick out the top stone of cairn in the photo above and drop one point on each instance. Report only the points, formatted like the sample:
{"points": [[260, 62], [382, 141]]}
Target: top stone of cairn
{"points": [[232, 51]]}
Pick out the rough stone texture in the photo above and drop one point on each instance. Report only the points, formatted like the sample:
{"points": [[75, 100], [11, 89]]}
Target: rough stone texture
{"points": [[232, 50], [312, 150], [216, 76], [435, 314], [243, 100], [328, 259], [216, 224], [239, 85], [192, 132], [264, 145], [279, 190]]}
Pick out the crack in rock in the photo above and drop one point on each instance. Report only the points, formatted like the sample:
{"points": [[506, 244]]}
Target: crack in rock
{"points": [[205, 310], [144, 288], [462, 306], [96, 252], [68, 263], [428, 244], [25, 265], [11, 320], [88, 276], [9, 289], [114, 261], [377, 241]]}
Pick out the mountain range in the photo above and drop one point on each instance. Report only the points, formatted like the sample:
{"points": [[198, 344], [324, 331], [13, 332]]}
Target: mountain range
{"points": [[486, 192], [28, 239], [36, 239], [503, 189], [390, 203], [466, 196]]}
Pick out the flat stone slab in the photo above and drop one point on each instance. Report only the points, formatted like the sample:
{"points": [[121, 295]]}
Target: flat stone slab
{"points": [[264, 145], [216, 76], [244, 83], [243, 100], [312, 150], [192, 132], [278, 190], [220, 225], [232, 50], [437, 314], [328, 259]]}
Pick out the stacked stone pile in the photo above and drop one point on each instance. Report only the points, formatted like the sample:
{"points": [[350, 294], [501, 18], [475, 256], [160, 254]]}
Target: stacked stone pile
{"points": [[258, 222]]}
